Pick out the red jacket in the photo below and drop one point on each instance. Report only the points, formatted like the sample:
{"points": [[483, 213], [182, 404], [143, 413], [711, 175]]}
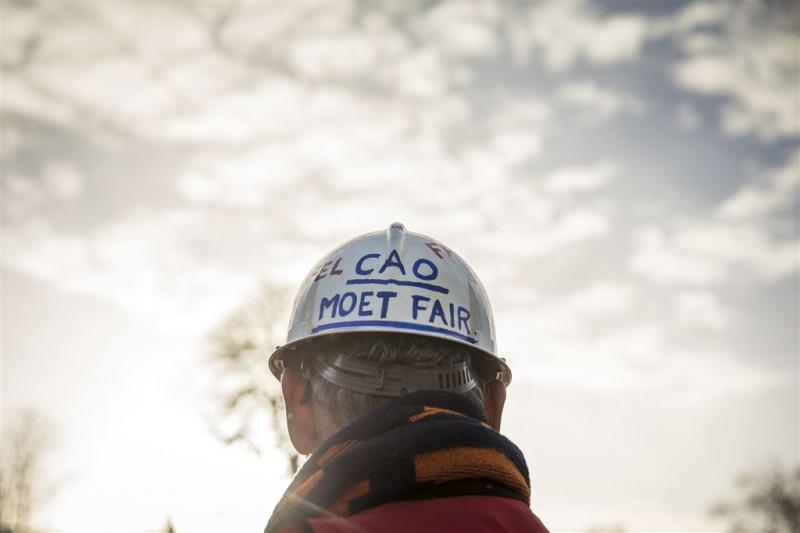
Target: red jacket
{"points": [[451, 514]]}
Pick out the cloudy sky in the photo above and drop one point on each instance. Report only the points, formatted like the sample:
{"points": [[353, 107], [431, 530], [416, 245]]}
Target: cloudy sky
{"points": [[622, 176]]}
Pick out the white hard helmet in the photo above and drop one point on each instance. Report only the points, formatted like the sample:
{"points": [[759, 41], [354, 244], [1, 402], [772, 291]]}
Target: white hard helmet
{"points": [[399, 282]]}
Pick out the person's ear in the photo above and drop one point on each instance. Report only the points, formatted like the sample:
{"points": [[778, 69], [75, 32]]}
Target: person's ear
{"points": [[299, 410], [495, 400]]}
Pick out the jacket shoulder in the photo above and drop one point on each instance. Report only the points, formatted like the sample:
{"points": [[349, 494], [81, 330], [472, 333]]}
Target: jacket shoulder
{"points": [[450, 514]]}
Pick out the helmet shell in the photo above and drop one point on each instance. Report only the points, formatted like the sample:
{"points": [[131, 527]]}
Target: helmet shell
{"points": [[394, 281]]}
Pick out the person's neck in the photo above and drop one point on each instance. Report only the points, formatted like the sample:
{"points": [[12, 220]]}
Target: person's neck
{"points": [[324, 423]]}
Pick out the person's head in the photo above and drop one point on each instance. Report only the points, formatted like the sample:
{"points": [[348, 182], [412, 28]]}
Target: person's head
{"points": [[317, 408], [383, 315]]}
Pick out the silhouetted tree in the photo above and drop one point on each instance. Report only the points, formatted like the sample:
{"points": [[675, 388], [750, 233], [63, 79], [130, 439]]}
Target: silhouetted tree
{"points": [[247, 398], [22, 447], [769, 503]]}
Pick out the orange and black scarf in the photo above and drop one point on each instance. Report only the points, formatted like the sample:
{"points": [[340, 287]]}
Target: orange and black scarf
{"points": [[422, 445]]}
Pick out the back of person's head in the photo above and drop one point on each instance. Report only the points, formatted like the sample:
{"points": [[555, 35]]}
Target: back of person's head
{"points": [[345, 406]]}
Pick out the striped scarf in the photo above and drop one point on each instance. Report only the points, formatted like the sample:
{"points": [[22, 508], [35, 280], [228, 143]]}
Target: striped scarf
{"points": [[422, 445]]}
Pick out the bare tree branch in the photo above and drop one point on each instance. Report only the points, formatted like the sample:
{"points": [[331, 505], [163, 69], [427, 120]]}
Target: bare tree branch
{"points": [[769, 503], [245, 394], [22, 448]]}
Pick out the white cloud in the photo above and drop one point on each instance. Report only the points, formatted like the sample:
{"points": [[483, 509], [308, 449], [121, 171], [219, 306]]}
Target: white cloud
{"points": [[548, 326], [699, 309], [688, 118], [601, 298], [581, 179], [752, 61], [25, 196], [262, 32], [140, 263], [63, 182], [698, 14], [259, 70], [657, 257], [575, 225], [749, 236], [331, 57], [342, 49], [711, 252], [518, 145], [516, 239], [463, 28], [698, 379], [564, 33], [778, 192], [517, 130], [21, 195], [592, 97], [422, 73], [542, 223], [637, 356]]}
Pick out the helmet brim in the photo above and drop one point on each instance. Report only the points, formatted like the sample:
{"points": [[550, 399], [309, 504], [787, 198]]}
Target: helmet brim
{"points": [[490, 367]]}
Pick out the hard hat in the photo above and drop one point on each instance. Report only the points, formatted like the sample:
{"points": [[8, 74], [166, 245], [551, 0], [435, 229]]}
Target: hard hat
{"points": [[397, 282]]}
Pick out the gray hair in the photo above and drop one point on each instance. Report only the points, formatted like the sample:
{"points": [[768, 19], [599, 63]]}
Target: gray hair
{"points": [[346, 406]]}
